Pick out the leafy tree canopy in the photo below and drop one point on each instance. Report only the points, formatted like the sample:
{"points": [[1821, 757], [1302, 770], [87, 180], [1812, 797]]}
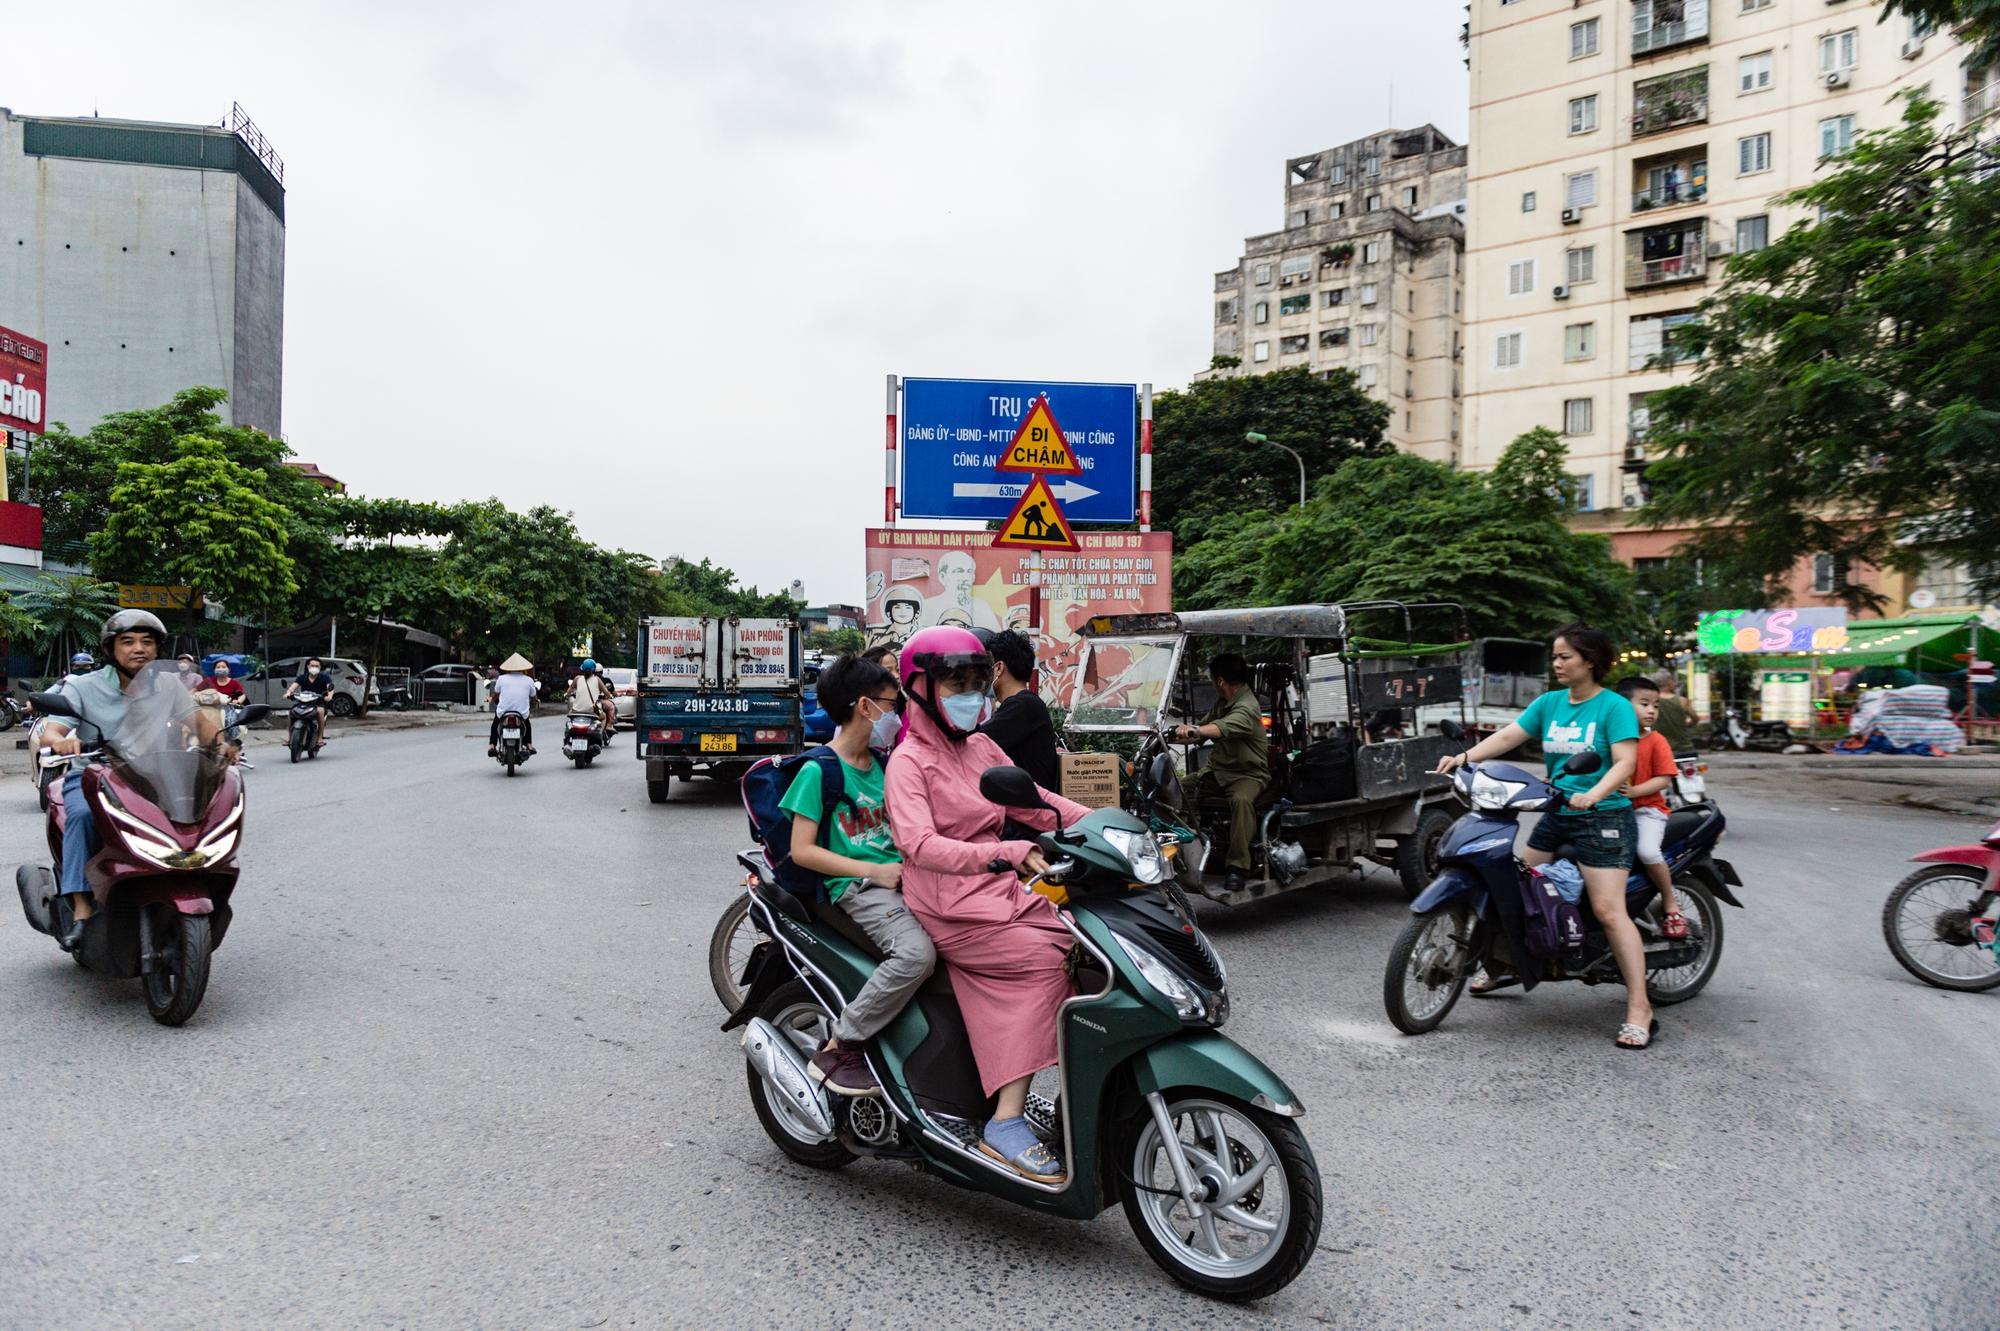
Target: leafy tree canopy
{"points": [[1979, 21], [1204, 470], [1848, 394]]}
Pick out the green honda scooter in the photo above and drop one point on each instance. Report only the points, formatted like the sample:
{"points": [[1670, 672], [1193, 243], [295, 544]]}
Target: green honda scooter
{"points": [[1155, 1108]]}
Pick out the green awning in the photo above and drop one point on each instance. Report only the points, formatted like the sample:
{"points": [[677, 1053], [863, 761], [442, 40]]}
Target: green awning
{"points": [[1919, 642]]}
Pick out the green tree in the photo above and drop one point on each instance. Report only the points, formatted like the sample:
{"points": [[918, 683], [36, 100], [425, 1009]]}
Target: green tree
{"points": [[70, 612], [518, 582], [1847, 399], [1670, 597], [1979, 21], [1401, 528], [387, 565], [198, 521], [834, 641], [1204, 470]]}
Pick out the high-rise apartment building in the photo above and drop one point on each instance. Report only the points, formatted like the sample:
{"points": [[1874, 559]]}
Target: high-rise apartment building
{"points": [[1621, 151], [1366, 276], [150, 258]]}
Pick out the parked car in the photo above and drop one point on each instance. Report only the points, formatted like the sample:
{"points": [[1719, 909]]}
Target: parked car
{"points": [[349, 677], [625, 693], [454, 681]]}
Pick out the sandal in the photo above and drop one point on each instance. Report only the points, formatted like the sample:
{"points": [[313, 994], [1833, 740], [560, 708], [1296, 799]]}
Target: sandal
{"points": [[1674, 926], [1636, 1037], [1492, 986], [1037, 1162]]}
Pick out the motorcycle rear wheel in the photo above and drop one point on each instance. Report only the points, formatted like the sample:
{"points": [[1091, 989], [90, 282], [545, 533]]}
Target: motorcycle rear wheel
{"points": [[1921, 922], [794, 1011], [1704, 920], [1428, 966], [729, 949], [1269, 1167], [174, 991]]}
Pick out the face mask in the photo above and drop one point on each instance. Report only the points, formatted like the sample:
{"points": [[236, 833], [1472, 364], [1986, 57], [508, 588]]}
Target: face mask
{"points": [[882, 735], [965, 710]]}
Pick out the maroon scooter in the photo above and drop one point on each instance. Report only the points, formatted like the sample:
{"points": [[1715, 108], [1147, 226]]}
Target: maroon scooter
{"points": [[169, 819]]}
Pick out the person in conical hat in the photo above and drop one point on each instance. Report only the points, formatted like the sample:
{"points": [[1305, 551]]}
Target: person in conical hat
{"points": [[514, 692]]}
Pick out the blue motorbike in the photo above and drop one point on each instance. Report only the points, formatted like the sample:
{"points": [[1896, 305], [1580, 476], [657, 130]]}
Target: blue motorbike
{"points": [[1460, 923]]}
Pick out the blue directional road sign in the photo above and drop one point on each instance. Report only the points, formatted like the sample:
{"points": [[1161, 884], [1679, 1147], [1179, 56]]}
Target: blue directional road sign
{"points": [[953, 430]]}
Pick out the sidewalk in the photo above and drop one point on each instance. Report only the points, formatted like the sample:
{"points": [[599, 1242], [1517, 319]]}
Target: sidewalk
{"points": [[1964, 783]]}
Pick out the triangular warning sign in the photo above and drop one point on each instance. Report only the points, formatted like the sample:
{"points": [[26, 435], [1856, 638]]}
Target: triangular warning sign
{"points": [[1037, 522], [1038, 445]]}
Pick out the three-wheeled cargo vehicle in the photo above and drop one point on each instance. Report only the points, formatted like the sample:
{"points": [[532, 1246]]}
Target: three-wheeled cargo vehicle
{"points": [[1342, 688]]}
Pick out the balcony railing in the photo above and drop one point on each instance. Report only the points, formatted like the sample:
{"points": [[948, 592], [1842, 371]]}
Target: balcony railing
{"points": [[1982, 102], [1690, 267], [1669, 196], [1667, 112], [1660, 36]]}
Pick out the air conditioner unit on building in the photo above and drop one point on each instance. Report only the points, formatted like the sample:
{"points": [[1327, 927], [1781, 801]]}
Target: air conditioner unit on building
{"points": [[1721, 249], [1560, 291], [1912, 48], [1632, 500], [1571, 216], [1839, 78]]}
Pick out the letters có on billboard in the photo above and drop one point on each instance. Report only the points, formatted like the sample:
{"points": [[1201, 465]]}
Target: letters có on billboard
{"points": [[24, 382]]}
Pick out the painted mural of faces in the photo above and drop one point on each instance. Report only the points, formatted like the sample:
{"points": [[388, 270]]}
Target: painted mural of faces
{"points": [[955, 571]]}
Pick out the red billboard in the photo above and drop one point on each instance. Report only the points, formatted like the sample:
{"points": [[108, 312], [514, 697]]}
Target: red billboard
{"points": [[919, 577], [24, 381]]}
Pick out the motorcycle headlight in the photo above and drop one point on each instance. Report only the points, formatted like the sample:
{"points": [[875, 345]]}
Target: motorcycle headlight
{"points": [[1184, 996], [1487, 792], [1141, 852]]}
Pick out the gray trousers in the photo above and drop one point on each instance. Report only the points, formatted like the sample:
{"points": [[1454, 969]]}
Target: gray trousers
{"points": [[909, 959]]}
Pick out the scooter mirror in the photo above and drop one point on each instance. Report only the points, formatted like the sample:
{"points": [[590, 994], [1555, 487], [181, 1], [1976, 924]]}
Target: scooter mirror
{"points": [[1451, 730], [1582, 764], [1011, 787], [252, 714], [52, 704]]}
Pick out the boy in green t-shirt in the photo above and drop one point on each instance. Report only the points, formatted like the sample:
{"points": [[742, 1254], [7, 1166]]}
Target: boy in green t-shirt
{"points": [[863, 869]]}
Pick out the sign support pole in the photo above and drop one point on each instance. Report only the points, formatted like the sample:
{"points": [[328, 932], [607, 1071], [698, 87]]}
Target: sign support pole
{"points": [[1035, 598], [889, 466], [1145, 457]]}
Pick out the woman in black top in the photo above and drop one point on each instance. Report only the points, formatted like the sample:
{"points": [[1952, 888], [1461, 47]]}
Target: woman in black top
{"points": [[1021, 725]]}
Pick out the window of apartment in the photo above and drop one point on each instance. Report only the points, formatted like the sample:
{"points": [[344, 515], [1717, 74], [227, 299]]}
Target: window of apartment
{"points": [[1338, 208], [1298, 304], [1367, 293], [1654, 336], [1410, 343], [1301, 267], [1580, 189], [1585, 484], [1583, 39], [1371, 166], [1753, 154], [1370, 334], [1410, 300], [1409, 388], [1826, 575], [1752, 6], [1225, 311], [1753, 72], [1261, 351], [1506, 351], [1261, 312], [1294, 346], [1374, 204], [1836, 51], [1752, 233], [1528, 202], [1580, 342], [1409, 196], [1520, 277], [1301, 217], [1332, 297], [1332, 337], [1583, 114], [1581, 265], [1371, 252], [1337, 173], [1921, 26], [1261, 274], [1576, 415], [1836, 136], [1366, 376]]}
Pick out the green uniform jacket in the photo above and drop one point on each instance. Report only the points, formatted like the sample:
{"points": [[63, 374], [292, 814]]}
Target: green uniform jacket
{"points": [[1242, 749]]}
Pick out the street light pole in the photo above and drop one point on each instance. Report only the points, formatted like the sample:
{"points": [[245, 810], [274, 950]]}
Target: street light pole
{"points": [[1255, 438]]}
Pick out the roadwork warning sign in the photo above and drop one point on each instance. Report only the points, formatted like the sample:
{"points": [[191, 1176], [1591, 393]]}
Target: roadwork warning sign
{"points": [[1037, 522], [1039, 446]]}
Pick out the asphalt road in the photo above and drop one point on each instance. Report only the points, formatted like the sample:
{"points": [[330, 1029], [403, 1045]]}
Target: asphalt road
{"points": [[459, 1067]]}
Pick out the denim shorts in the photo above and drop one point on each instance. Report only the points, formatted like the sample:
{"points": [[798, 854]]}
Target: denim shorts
{"points": [[1603, 838]]}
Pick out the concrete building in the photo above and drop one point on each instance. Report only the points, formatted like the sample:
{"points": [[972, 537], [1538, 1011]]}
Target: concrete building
{"points": [[150, 258], [1621, 150], [1367, 276]]}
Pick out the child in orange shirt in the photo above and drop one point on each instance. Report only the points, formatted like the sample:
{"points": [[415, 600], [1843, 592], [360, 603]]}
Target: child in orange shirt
{"points": [[1654, 772]]}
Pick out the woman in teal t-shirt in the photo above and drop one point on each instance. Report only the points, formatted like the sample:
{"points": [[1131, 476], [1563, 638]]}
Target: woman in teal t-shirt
{"points": [[1595, 818]]}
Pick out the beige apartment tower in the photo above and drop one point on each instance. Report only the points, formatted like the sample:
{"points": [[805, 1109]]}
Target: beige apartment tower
{"points": [[1621, 151], [1366, 276]]}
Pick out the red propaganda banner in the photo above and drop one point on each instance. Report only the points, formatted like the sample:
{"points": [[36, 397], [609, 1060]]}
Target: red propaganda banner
{"points": [[24, 381], [917, 578]]}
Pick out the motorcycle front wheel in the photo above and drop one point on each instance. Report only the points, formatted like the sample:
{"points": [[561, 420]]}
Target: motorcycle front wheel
{"points": [[1927, 923], [179, 978], [1259, 1230], [1428, 966]]}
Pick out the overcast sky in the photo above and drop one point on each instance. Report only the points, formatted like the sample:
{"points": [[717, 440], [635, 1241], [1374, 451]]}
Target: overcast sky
{"points": [[650, 262]]}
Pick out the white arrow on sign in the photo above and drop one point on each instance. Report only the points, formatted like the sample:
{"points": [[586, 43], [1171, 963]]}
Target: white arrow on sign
{"points": [[1068, 492]]}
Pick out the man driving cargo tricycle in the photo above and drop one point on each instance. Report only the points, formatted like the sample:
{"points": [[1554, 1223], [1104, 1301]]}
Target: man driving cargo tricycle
{"points": [[1346, 756]]}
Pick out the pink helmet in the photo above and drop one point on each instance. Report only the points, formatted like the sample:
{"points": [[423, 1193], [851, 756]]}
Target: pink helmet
{"points": [[939, 650]]}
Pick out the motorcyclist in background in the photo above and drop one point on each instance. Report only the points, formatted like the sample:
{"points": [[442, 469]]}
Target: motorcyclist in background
{"points": [[314, 679], [590, 695], [132, 640]]}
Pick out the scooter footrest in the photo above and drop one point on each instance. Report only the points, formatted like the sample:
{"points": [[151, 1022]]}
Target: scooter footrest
{"points": [[962, 1130], [1045, 1117]]}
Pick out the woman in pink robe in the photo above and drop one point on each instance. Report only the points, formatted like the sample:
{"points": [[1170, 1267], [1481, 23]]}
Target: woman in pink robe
{"points": [[1004, 948]]}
